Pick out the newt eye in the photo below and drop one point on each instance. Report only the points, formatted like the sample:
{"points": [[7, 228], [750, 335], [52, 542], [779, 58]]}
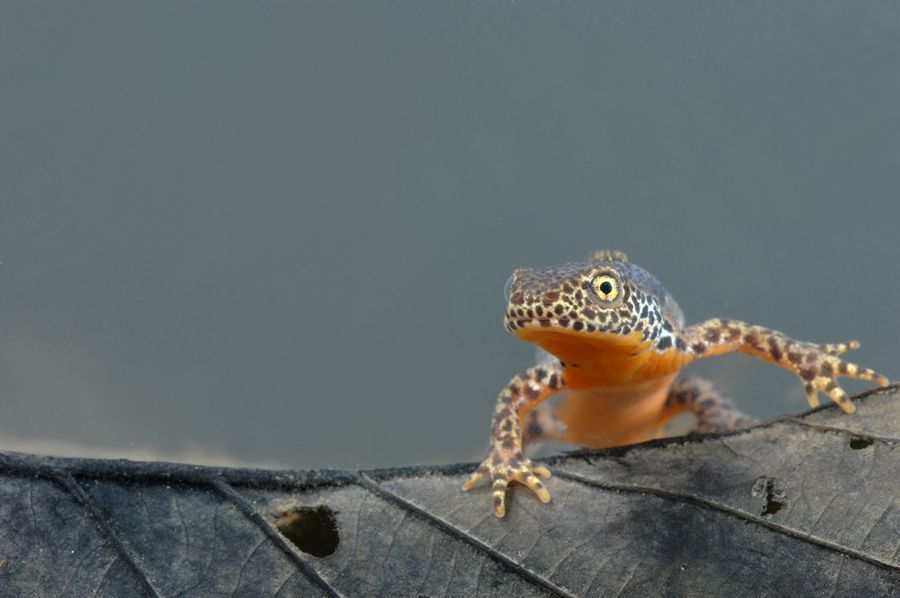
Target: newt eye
{"points": [[507, 289], [606, 287]]}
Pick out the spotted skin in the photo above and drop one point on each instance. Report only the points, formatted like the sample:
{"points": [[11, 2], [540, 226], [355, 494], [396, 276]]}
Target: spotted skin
{"points": [[714, 412], [619, 341], [818, 366], [506, 462]]}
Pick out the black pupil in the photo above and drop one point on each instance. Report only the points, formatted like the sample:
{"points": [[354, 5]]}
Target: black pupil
{"points": [[606, 287]]}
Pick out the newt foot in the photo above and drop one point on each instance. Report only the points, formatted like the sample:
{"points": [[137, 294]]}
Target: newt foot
{"points": [[514, 468], [822, 369]]}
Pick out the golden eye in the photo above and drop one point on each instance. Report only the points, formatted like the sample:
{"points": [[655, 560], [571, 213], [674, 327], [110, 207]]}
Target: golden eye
{"points": [[606, 287]]}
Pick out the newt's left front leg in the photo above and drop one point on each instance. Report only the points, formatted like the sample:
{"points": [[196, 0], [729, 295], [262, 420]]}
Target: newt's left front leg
{"points": [[506, 463], [817, 365]]}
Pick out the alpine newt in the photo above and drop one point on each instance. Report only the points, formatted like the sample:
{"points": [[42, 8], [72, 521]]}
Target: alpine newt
{"points": [[618, 342]]}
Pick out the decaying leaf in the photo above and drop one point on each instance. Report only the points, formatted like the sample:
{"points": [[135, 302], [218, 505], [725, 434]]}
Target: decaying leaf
{"points": [[806, 505]]}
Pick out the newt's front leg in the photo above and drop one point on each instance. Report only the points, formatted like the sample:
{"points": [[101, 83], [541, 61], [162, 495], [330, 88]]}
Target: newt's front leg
{"points": [[818, 366], [506, 463]]}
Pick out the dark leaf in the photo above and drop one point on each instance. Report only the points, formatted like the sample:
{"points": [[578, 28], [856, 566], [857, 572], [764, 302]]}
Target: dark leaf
{"points": [[801, 506]]}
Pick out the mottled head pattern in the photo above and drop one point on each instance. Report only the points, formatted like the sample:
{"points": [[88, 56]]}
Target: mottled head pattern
{"points": [[605, 295]]}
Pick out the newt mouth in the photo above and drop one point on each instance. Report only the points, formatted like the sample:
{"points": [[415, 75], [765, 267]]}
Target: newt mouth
{"points": [[567, 324], [578, 345]]}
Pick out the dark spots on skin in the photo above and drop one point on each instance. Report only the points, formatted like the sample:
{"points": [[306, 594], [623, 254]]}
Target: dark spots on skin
{"points": [[577, 325], [559, 309], [644, 311], [713, 335], [567, 288], [534, 429], [774, 349], [752, 340], [573, 315], [579, 295], [530, 313], [827, 369], [698, 348], [520, 312], [680, 344], [707, 402], [807, 373], [540, 373], [664, 343], [564, 322], [544, 322], [554, 381], [521, 323], [508, 443], [532, 393], [795, 358], [842, 368], [830, 386], [498, 500], [589, 313], [517, 299], [591, 328], [810, 357], [667, 326], [539, 310]]}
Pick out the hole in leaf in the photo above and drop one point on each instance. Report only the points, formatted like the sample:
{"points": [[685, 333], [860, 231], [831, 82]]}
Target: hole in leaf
{"points": [[311, 529], [775, 497], [860, 442]]}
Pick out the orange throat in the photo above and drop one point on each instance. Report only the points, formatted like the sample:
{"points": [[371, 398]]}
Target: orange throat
{"points": [[604, 359]]}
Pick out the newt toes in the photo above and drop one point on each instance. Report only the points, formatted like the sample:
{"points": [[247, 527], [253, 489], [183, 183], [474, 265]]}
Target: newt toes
{"points": [[618, 341]]}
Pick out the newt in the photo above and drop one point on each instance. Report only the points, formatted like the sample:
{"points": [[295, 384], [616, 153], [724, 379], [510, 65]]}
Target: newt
{"points": [[617, 341]]}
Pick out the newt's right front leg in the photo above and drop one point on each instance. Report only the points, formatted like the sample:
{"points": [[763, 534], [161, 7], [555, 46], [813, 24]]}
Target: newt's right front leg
{"points": [[506, 463]]}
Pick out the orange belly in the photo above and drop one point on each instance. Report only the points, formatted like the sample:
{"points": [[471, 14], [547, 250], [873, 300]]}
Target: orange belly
{"points": [[609, 416], [617, 385]]}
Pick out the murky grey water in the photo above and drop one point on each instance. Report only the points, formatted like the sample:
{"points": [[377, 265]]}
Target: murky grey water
{"points": [[279, 232]]}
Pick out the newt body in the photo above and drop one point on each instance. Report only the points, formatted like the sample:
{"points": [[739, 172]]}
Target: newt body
{"points": [[618, 342]]}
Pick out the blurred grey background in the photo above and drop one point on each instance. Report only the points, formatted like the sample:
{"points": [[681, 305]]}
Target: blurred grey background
{"points": [[278, 232]]}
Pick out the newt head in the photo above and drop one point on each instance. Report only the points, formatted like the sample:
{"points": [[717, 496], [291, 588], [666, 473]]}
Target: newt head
{"points": [[606, 313]]}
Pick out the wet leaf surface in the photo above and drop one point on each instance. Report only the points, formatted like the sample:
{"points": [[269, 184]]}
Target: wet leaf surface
{"points": [[805, 505]]}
